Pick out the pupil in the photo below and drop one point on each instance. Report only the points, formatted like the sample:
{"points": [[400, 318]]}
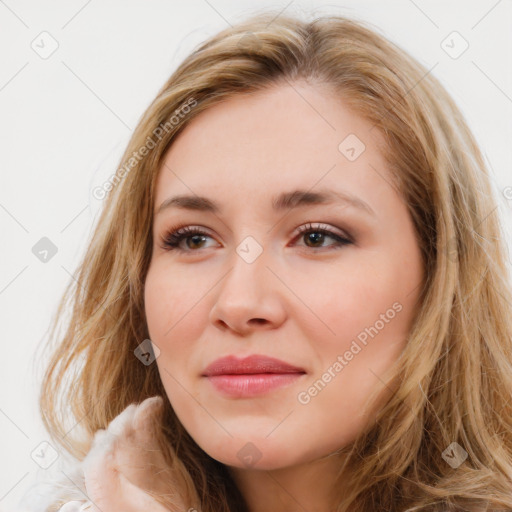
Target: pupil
{"points": [[315, 237], [196, 239]]}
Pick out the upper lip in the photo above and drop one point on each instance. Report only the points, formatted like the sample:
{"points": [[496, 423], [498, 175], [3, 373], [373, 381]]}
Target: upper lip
{"points": [[252, 364]]}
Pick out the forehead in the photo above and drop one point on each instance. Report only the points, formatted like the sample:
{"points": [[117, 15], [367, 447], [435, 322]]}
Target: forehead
{"points": [[255, 145]]}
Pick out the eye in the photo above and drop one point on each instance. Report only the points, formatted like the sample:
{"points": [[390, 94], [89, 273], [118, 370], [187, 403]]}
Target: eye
{"points": [[172, 239], [315, 236], [194, 238]]}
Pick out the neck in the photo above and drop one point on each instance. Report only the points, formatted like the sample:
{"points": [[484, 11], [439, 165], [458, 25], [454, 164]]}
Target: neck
{"points": [[304, 487]]}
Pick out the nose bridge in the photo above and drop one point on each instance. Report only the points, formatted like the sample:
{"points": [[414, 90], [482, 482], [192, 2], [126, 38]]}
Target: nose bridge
{"points": [[248, 275], [248, 291]]}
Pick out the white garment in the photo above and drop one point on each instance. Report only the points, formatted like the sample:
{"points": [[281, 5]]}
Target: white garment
{"points": [[75, 506], [63, 487], [64, 484]]}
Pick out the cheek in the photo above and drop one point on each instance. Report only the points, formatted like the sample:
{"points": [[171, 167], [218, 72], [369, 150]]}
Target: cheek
{"points": [[364, 322], [365, 310], [172, 305], [172, 310], [340, 300]]}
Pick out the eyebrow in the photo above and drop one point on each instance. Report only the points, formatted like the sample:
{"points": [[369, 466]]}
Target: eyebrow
{"points": [[285, 201]]}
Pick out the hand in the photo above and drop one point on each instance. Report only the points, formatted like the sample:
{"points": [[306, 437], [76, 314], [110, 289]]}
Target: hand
{"points": [[125, 462]]}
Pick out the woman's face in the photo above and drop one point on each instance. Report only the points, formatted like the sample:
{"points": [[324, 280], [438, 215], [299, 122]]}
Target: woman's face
{"points": [[325, 279]]}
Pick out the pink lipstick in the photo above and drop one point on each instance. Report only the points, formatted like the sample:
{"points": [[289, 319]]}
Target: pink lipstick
{"points": [[251, 376]]}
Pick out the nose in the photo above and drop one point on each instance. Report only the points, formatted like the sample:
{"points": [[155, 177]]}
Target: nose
{"points": [[249, 297]]}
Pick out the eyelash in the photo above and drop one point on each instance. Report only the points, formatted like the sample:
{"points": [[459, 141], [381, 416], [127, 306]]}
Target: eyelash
{"points": [[171, 240]]}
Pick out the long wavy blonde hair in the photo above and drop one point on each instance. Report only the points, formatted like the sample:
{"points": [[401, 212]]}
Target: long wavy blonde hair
{"points": [[454, 380]]}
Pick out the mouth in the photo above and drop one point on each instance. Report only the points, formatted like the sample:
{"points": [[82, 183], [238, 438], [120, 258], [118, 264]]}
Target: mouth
{"points": [[251, 376]]}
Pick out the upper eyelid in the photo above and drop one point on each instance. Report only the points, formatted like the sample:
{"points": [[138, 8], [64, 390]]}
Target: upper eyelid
{"points": [[188, 230], [306, 225]]}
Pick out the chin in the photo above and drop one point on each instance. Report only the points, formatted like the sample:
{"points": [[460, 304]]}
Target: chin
{"points": [[254, 453]]}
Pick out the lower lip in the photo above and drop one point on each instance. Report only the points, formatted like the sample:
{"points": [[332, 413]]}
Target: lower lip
{"points": [[247, 385]]}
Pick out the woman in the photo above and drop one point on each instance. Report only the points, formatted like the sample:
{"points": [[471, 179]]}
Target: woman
{"points": [[296, 297]]}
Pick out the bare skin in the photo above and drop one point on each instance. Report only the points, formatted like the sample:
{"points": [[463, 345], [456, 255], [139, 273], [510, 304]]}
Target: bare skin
{"points": [[304, 299]]}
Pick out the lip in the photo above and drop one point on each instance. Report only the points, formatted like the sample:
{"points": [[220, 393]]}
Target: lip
{"points": [[249, 365], [250, 376]]}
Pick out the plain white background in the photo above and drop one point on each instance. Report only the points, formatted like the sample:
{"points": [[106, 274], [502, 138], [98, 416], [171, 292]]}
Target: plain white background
{"points": [[66, 117]]}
